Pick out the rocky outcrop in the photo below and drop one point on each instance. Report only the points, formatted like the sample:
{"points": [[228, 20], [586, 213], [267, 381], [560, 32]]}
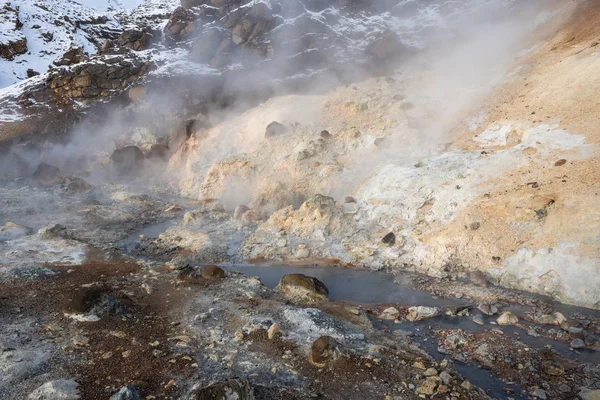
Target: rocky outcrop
{"points": [[72, 56], [180, 24], [134, 39], [12, 48], [103, 77]]}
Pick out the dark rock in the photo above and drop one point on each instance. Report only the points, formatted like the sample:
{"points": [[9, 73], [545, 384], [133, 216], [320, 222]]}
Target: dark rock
{"points": [[97, 301], [72, 56], [325, 134], [128, 392], [474, 226], [560, 162], [134, 39], [389, 239], [127, 160], [478, 319], [212, 272], [238, 389], [324, 350], [31, 73], [275, 129], [349, 199], [77, 185], [300, 287], [47, 175], [13, 48]]}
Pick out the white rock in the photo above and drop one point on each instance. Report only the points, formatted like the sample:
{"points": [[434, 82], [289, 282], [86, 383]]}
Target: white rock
{"points": [[61, 389], [390, 313], [421, 313]]}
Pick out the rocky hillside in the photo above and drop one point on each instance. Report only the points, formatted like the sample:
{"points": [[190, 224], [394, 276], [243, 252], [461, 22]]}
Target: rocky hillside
{"points": [[389, 136]]}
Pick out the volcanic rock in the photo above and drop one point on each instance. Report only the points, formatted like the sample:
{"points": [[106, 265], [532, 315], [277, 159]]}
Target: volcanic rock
{"points": [[47, 175], [134, 39], [212, 272], [128, 392], [390, 313], [507, 318], [323, 350], [389, 239], [421, 313], [127, 160], [62, 389], [299, 287], [72, 56]]}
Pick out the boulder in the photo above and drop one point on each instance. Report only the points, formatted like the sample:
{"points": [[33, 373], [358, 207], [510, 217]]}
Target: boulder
{"points": [[421, 313], [389, 239], [238, 389], [551, 319], [127, 160], [61, 389], [324, 350], [212, 272], [128, 392], [390, 313], [300, 287], [180, 24], [507, 318], [47, 175], [76, 185]]}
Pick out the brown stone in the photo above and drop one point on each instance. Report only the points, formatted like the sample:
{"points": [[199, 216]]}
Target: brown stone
{"points": [[47, 175], [231, 389], [302, 288], [212, 272], [324, 350], [77, 185]]}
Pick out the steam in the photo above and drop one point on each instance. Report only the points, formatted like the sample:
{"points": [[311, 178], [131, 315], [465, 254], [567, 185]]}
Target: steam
{"points": [[461, 57]]}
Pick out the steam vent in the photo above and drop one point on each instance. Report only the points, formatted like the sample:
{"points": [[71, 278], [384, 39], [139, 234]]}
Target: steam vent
{"points": [[299, 199]]}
